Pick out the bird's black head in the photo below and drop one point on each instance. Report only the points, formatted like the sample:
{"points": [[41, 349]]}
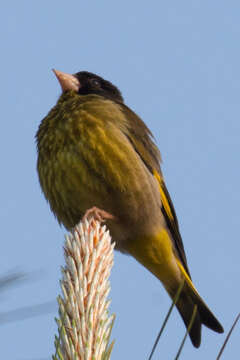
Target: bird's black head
{"points": [[94, 84], [85, 83]]}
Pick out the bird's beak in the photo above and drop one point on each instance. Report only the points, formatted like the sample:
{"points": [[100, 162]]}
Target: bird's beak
{"points": [[67, 81]]}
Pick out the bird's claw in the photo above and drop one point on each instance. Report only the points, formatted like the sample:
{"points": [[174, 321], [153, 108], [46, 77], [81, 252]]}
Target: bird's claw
{"points": [[98, 214]]}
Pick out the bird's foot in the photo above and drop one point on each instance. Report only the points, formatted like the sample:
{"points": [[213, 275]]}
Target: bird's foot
{"points": [[98, 214]]}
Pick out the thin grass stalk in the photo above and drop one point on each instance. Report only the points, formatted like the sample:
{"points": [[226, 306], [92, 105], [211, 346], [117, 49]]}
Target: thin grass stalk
{"points": [[175, 300], [227, 337], [187, 331]]}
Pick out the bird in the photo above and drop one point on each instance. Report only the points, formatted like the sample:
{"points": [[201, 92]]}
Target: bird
{"points": [[97, 157]]}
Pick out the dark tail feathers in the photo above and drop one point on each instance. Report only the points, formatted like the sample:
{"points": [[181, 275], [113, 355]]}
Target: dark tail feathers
{"points": [[185, 305]]}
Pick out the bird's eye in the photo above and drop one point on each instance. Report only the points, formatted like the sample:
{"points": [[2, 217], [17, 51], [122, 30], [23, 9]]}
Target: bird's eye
{"points": [[95, 82]]}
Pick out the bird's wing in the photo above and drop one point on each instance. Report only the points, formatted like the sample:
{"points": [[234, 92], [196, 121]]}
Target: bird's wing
{"points": [[171, 220], [142, 140]]}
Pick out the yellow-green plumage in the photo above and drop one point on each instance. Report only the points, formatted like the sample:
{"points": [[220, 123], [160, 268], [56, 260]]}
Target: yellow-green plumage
{"points": [[94, 151], [86, 160]]}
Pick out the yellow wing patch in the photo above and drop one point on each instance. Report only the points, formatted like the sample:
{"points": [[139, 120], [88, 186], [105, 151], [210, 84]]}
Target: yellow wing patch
{"points": [[163, 196], [171, 220]]}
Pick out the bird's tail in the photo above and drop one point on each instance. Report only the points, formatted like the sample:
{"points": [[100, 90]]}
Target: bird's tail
{"points": [[188, 298]]}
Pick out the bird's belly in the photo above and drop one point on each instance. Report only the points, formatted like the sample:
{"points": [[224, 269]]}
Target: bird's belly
{"points": [[77, 188]]}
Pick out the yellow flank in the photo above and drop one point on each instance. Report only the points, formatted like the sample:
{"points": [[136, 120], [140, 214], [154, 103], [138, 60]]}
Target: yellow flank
{"points": [[163, 196], [156, 254]]}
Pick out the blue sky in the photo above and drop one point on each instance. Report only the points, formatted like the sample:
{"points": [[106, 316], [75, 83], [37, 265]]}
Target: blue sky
{"points": [[177, 65]]}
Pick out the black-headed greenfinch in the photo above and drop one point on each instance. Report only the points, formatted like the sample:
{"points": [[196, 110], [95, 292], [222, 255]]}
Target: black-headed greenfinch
{"points": [[94, 151]]}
